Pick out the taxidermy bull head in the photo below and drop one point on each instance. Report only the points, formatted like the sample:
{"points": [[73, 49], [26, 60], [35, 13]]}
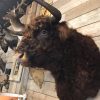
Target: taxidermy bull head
{"points": [[73, 59]]}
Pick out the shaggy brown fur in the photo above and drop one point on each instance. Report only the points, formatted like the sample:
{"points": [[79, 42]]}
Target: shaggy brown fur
{"points": [[73, 59]]}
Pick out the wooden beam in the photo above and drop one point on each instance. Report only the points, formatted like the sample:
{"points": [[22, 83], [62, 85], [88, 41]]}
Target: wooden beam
{"points": [[48, 77], [98, 43], [97, 38], [31, 95], [38, 96], [35, 96], [48, 88], [55, 1], [9, 56], [51, 91], [16, 77], [38, 10], [12, 87], [60, 3], [86, 19], [16, 70], [49, 1], [37, 76], [91, 30], [51, 98], [34, 4], [70, 5], [22, 85], [82, 9]]}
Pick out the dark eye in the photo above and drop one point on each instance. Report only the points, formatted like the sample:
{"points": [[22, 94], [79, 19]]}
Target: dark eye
{"points": [[44, 32]]}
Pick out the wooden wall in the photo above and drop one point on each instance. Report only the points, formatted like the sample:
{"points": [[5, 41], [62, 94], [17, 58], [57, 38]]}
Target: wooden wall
{"points": [[83, 15]]}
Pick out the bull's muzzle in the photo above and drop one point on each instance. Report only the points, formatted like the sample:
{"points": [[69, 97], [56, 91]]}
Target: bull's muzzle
{"points": [[21, 56]]}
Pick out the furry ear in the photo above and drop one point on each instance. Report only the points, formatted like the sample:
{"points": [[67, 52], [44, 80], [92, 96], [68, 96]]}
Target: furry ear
{"points": [[63, 30]]}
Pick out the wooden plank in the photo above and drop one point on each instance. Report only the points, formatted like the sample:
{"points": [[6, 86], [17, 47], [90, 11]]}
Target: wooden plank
{"points": [[35, 96], [51, 98], [30, 77], [86, 19], [55, 1], [70, 5], [16, 71], [38, 10], [48, 88], [31, 95], [32, 86], [2, 78], [98, 43], [30, 13], [22, 85], [16, 77], [9, 65], [37, 76], [49, 1], [91, 30], [34, 4], [12, 87], [63, 18], [9, 56], [82, 9], [97, 38], [38, 96], [48, 77], [60, 3]]}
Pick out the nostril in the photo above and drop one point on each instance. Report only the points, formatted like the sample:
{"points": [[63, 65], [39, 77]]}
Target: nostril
{"points": [[21, 55]]}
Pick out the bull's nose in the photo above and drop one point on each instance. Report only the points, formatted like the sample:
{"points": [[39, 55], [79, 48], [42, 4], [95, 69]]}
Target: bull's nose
{"points": [[22, 56], [19, 55]]}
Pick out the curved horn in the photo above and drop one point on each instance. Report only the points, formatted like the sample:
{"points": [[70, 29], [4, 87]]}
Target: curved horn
{"points": [[55, 12]]}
